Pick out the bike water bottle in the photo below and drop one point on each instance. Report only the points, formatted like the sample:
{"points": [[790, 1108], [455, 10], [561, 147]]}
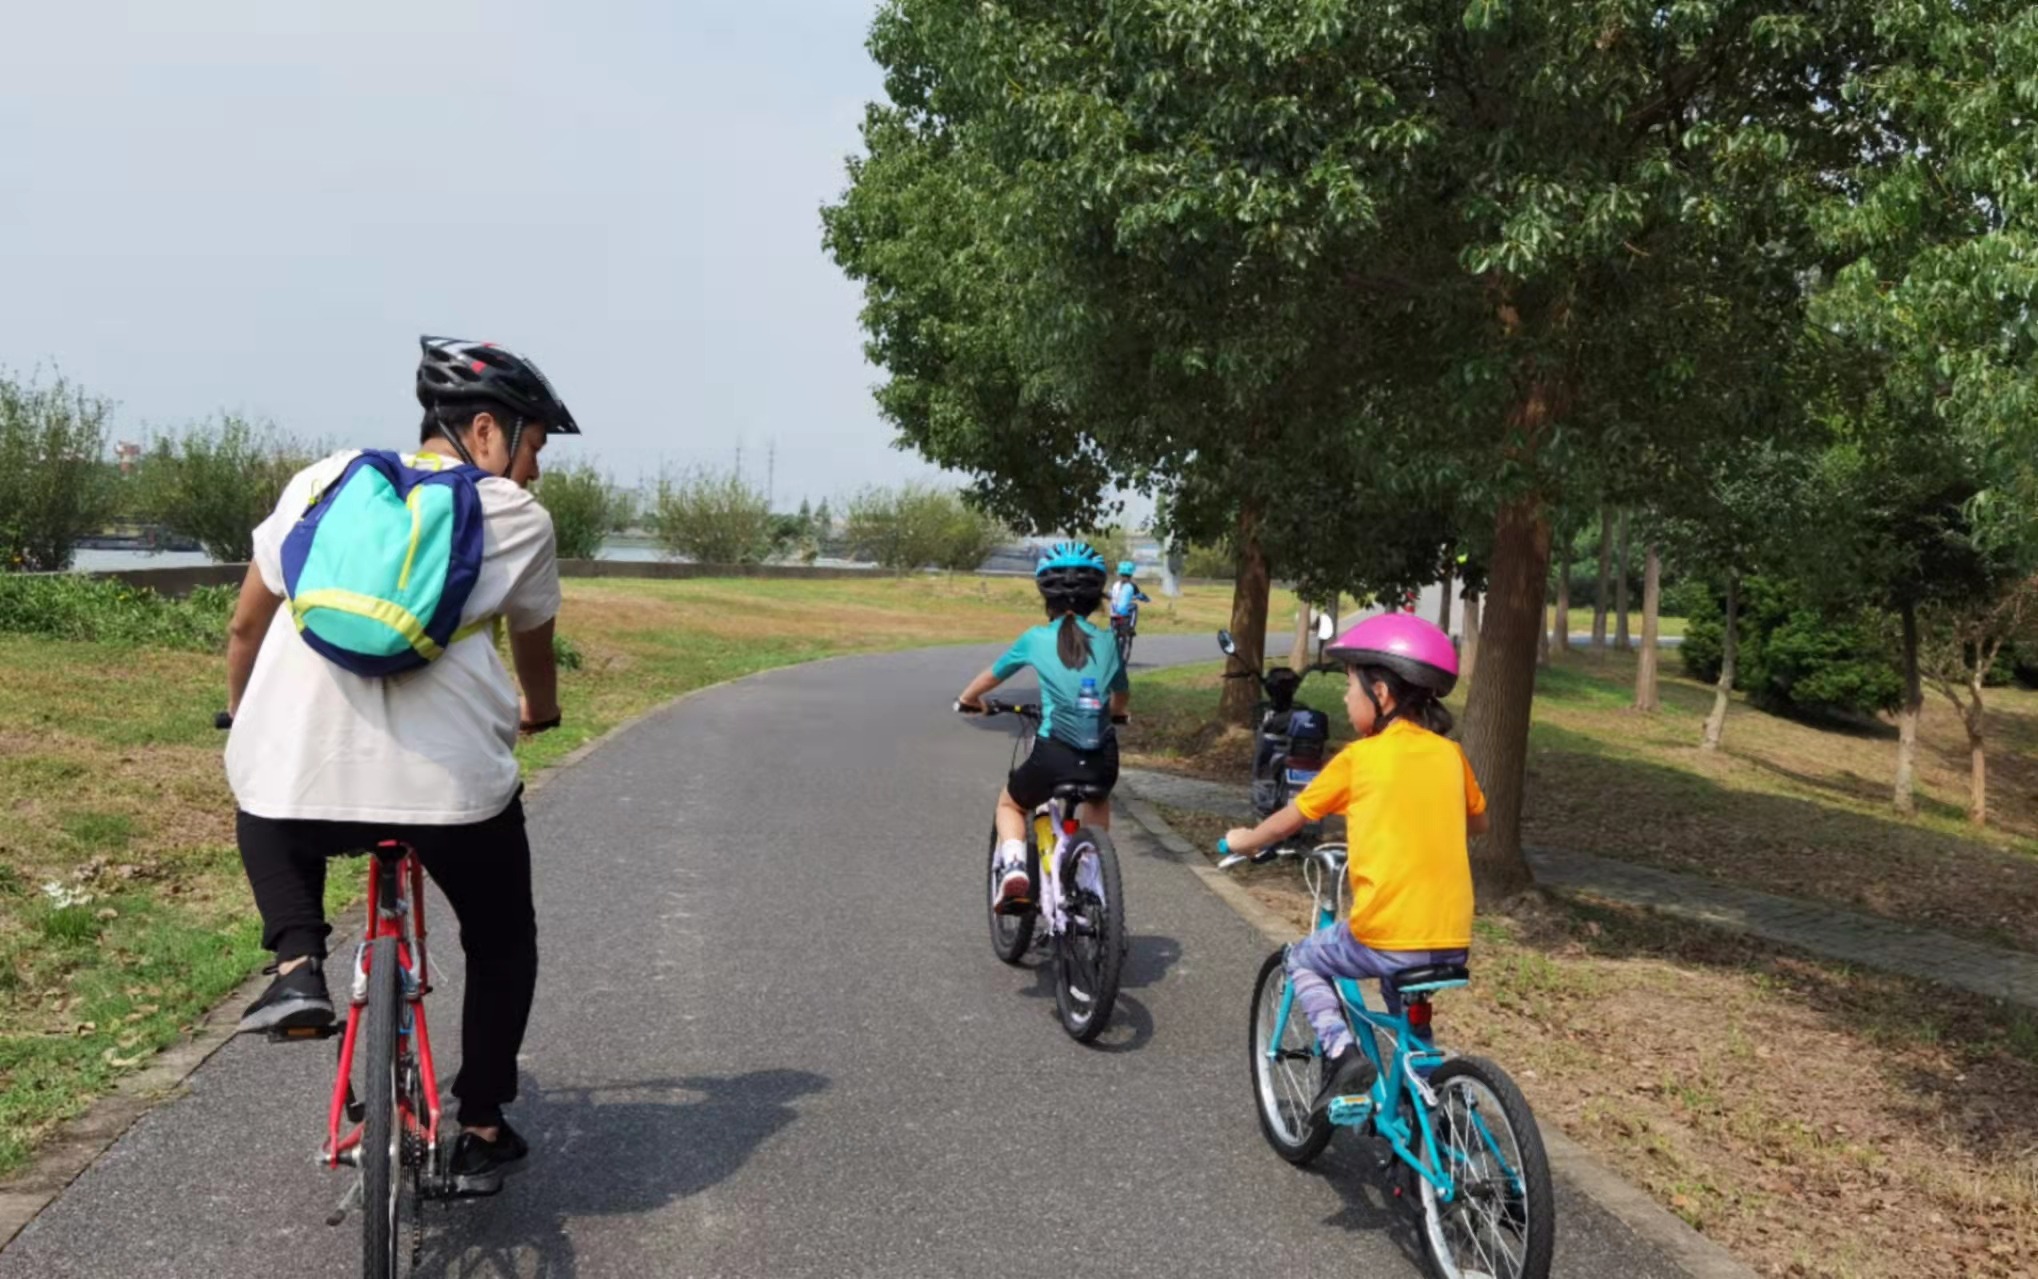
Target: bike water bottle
{"points": [[1088, 701]]}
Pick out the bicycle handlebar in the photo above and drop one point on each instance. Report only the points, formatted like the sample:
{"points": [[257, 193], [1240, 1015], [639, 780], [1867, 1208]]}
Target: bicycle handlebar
{"points": [[991, 706], [1226, 859]]}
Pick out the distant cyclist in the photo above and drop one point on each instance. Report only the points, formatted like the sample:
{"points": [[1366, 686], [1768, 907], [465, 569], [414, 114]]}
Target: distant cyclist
{"points": [[1083, 690], [1126, 597], [325, 761]]}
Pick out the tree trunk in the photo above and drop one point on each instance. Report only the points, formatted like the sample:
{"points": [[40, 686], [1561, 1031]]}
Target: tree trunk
{"points": [[1498, 707], [1974, 717], [1563, 624], [1652, 598], [1444, 609], [1599, 599], [1542, 640], [1716, 723], [1905, 794], [1249, 600], [1468, 648], [1298, 656], [1620, 588]]}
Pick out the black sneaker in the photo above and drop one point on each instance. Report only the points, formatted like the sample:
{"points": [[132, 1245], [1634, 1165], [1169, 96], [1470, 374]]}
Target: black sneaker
{"points": [[479, 1165], [1349, 1074], [295, 999]]}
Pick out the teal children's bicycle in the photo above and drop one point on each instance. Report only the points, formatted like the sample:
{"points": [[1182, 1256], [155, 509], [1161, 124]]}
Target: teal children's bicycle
{"points": [[1457, 1130]]}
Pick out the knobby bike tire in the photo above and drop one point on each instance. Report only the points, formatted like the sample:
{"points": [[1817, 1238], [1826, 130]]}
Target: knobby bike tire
{"points": [[381, 1147], [1085, 1021], [1535, 1212], [1010, 934], [1297, 1141]]}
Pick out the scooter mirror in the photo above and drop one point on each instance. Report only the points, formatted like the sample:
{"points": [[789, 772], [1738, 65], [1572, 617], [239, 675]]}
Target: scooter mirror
{"points": [[1225, 642]]}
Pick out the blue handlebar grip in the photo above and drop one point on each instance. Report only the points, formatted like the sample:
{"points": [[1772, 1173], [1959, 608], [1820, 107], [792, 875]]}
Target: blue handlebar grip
{"points": [[1224, 848]]}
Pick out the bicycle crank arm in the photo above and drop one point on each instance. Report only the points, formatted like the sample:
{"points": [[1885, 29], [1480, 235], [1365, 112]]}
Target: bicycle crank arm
{"points": [[348, 1202]]}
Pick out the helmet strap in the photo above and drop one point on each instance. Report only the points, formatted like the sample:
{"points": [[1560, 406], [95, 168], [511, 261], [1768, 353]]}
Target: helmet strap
{"points": [[452, 437]]}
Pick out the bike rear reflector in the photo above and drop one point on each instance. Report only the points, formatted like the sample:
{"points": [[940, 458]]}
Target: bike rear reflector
{"points": [[1069, 827], [1419, 1014]]}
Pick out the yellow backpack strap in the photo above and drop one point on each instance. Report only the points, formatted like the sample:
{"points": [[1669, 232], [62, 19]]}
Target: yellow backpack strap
{"points": [[492, 622]]}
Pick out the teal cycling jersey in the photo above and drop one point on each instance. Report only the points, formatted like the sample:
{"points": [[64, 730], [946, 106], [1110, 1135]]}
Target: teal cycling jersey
{"points": [[1061, 715]]}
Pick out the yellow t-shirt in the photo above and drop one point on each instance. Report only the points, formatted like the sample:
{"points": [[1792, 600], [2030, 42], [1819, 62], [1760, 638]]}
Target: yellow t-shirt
{"points": [[1405, 793]]}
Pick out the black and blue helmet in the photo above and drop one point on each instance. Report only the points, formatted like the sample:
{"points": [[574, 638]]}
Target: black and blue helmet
{"points": [[1071, 577]]}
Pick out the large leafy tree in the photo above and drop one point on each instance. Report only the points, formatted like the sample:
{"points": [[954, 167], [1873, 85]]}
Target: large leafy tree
{"points": [[1317, 269]]}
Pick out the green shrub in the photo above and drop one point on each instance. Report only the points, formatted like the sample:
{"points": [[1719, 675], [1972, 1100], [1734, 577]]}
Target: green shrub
{"points": [[1791, 658], [566, 653], [1217, 562], [55, 485], [712, 518], [585, 508], [70, 607], [916, 526], [217, 480]]}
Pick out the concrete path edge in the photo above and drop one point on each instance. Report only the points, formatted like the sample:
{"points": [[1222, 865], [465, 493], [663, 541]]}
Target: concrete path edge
{"points": [[1698, 1256]]}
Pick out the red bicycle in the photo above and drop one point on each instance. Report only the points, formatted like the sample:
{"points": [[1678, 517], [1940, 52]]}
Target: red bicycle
{"points": [[388, 1131]]}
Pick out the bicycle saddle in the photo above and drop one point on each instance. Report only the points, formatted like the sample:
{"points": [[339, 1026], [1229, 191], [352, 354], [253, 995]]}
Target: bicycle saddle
{"points": [[1431, 977], [1081, 792]]}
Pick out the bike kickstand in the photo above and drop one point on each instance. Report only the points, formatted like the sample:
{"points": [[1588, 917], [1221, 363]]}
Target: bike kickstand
{"points": [[348, 1202]]}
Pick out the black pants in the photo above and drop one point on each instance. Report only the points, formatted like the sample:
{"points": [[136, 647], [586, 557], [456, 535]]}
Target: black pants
{"points": [[1053, 763], [484, 869]]}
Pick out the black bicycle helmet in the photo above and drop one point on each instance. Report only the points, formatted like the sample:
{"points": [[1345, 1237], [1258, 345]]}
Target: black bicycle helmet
{"points": [[453, 370]]}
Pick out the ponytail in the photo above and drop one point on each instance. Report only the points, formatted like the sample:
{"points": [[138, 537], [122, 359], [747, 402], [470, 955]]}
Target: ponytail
{"points": [[1071, 645], [1417, 705]]}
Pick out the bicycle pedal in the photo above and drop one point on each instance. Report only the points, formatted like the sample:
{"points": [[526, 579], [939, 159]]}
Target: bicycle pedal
{"points": [[1017, 906], [292, 1034], [1350, 1112]]}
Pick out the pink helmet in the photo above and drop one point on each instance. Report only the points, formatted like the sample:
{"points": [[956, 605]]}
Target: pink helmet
{"points": [[1405, 644]]}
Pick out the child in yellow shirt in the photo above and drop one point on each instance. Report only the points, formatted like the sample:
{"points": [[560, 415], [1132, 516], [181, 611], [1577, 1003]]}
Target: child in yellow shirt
{"points": [[1410, 801]]}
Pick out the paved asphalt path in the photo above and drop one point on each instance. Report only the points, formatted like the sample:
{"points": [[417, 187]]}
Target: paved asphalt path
{"points": [[770, 1040]]}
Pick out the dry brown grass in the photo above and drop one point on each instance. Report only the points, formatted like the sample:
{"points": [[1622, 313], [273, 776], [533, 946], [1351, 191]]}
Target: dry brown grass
{"points": [[1814, 1119]]}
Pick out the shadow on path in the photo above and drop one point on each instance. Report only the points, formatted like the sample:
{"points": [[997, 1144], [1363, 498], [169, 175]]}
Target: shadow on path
{"points": [[608, 1151]]}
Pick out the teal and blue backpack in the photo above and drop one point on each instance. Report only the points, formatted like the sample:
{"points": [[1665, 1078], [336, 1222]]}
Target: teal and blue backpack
{"points": [[380, 566]]}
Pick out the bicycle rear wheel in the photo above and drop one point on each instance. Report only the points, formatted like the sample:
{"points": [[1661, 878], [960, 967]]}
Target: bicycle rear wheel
{"points": [[1012, 932], [1501, 1224], [1091, 953], [381, 1149], [1285, 1070]]}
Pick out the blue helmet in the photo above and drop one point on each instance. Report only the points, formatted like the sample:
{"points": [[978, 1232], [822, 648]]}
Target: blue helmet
{"points": [[1070, 556], [1126, 568], [1071, 578]]}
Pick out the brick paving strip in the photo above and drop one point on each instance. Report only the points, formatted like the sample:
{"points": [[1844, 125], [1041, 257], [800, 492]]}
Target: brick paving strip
{"points": [[1845, 935]]}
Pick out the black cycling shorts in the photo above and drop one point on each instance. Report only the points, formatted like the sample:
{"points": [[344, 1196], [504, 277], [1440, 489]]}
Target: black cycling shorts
{"points": [[1052, 763]]}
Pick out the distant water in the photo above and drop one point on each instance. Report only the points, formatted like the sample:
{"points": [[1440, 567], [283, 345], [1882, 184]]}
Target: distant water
{"points": [[111, 561]]}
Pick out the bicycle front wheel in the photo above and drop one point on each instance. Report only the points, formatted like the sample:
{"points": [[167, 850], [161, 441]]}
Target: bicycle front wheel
{"points": [[1011, 931], [381, 1149], [1090, 953], [1286, 1068], [1501, 1220]]}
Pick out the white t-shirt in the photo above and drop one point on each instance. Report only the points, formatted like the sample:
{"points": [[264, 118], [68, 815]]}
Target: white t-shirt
{"points": [[430, 747]]}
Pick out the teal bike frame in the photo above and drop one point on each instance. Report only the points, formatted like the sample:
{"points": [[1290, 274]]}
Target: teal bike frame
{"points": [[1402, 1074]]}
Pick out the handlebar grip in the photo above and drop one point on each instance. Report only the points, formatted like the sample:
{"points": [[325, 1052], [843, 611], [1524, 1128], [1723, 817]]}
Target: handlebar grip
{"points": [[222, 721], [961, 709]]}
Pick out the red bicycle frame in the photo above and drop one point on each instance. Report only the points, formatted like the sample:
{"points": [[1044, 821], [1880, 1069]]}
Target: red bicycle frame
{"points": [[405, 891]]}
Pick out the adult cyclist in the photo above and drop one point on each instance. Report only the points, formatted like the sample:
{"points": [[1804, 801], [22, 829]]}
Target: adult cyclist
{"points": [[1078, 669], [324, 762], [1125, 601]]}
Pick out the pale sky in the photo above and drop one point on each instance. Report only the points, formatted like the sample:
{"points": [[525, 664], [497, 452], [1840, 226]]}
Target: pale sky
{"points": [[258, 205]]}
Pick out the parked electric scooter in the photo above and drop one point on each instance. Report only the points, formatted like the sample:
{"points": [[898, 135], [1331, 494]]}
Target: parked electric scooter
{"points": [[1291, 740]]}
